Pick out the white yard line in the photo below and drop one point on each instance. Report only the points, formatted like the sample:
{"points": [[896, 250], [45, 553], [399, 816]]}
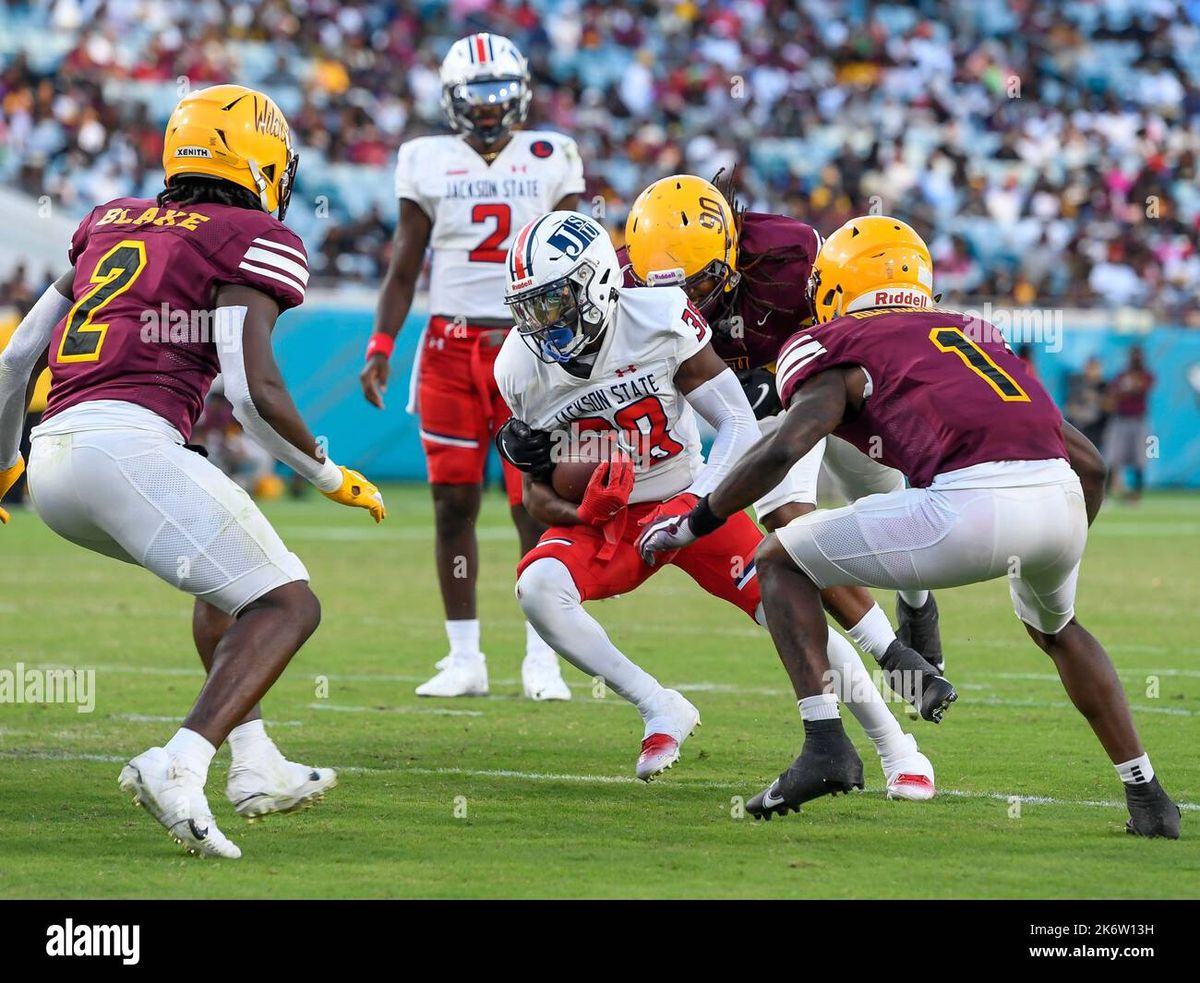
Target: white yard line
{"points": [[535, 776]]}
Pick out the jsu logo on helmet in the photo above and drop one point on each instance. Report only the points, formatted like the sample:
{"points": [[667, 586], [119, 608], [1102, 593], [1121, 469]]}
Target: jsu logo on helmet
{"points": [[573, 235]]}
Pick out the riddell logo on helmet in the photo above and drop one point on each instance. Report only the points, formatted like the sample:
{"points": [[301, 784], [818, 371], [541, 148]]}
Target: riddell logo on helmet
{"points": [[519, 285], [657, 278], [193, 152], [900, 298]]}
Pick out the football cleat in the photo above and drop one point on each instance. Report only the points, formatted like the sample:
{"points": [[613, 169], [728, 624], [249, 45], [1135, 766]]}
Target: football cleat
{"points": [[174, 795], [908, 774], [666, 730], [828, 764], [274, 784], [542, 679], [919, 683], [464, 676], [918, 629], [1151, 811]]}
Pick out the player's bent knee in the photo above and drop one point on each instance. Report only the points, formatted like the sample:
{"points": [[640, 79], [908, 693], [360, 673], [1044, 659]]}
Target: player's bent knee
{"points": [[296, 602], [771, 557], [543, 583]]}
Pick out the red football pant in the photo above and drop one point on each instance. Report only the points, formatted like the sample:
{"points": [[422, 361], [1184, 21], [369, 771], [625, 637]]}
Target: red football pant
{"points": [[459, 404], [722, 563]]}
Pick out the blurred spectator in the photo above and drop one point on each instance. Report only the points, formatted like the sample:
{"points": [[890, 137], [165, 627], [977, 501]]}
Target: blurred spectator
{"points": [[1087, 395], [1125, 440], [1052, 147]]}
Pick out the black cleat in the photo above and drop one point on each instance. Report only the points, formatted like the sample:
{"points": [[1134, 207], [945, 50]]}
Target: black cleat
{"points": [[918, 629], [919, 683], [828, 764], [1151, 811]]}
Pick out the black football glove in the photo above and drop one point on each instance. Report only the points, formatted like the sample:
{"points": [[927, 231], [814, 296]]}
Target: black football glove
{"points": [[759, 386], [525, 448]]}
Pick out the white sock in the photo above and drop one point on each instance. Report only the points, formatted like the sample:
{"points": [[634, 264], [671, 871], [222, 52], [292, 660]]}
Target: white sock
{"points": [[1137, 771], [821, 707], [553, 606], [914, 598], [192, 750], [855, 687], [248, 741], [874, 633], [535, 647], [464, 637]]}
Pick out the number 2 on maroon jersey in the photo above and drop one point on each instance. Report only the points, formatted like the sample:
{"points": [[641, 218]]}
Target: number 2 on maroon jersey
{"points": [[952, 339], [490, 249], [113, 275]]}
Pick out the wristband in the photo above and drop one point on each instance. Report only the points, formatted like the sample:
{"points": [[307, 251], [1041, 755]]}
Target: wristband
{"points": [[328, 478], [703, 520], [381, 344]]}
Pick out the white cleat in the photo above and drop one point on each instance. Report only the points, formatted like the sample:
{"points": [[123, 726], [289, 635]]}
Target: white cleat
{"points": [[909, 775], [672, 724], [444, 661], [276, 785], [464, 676], [543, 680], [174, 795]]}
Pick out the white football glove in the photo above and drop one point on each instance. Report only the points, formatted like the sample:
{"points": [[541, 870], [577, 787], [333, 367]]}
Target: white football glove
{"points": [[671, 532]]}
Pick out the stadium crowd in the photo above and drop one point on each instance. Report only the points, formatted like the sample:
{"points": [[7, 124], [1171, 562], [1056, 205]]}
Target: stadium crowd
{"points": [[1050, 150]]}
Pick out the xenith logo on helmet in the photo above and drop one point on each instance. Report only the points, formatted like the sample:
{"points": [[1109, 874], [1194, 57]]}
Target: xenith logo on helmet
{"points": [[193, 152]]}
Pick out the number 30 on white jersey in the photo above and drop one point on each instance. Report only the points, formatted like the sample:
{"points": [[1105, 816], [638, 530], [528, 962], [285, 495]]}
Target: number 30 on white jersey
{"points": [[476, 208]]}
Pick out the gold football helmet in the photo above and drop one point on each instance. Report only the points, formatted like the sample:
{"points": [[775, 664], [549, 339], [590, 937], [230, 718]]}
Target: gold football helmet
{"points": [[873, 261], [235, 134], [681, 231]]}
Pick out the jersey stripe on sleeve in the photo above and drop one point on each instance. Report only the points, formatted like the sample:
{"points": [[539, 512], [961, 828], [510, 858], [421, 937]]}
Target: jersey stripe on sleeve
{"points": [[273, 260]]}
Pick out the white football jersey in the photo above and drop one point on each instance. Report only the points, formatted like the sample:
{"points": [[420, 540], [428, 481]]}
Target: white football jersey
{"points": [[476, 209], [631, 388]]}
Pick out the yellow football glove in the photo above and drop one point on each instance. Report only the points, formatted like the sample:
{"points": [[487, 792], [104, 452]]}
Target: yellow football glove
{"points": [[358, 493], [8, 478]]}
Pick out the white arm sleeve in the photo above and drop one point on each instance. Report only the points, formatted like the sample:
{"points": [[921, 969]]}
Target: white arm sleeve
{"points": [[16, 363], [722, 403], [229, 323]]}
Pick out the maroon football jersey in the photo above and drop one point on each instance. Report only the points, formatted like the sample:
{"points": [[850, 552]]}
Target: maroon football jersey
{"points": [[145, 282], [770, 303], [946, 391]]}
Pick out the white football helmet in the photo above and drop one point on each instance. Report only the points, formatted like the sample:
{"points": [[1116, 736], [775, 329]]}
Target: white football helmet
{"points": [[485, 86], [563, 276]]}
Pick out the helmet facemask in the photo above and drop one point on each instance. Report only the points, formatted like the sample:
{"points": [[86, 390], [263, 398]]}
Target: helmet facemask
{"points": [[503, 102], [558, 321]]}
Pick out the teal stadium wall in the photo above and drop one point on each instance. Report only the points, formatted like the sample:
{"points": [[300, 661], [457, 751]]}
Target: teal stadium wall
{"points": [[320, 351]]}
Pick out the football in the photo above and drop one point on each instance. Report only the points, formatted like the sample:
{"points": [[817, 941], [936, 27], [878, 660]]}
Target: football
{"points": [[570, 478]]}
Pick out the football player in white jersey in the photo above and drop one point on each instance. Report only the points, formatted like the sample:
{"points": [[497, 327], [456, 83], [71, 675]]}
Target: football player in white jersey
{"points": [[463, 195], [591, 356]]}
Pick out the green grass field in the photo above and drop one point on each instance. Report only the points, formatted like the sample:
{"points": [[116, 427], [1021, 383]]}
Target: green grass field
{"points": [[551, 807]]}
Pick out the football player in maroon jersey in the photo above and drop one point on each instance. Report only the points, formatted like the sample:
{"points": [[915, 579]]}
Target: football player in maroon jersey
{"points": [[163, 295], [748, 273], [1002, 486]]}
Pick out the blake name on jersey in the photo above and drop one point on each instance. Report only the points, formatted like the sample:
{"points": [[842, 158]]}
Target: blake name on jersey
{"points": [[477, 207], [631, 389]]}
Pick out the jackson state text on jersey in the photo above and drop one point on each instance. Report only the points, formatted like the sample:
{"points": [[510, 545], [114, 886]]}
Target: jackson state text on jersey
{"points": [[477, 207], [145, 280], [631, 389], [946, 391]]}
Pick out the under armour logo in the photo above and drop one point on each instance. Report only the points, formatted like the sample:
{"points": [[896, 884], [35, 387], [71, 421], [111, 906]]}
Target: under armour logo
{"points": [[628, 370]]}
